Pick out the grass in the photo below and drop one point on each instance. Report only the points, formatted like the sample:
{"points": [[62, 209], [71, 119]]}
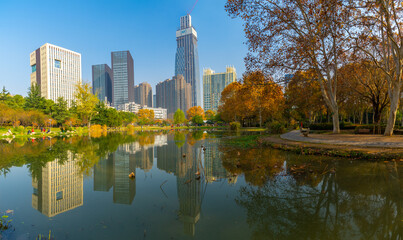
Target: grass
{"points": [[37, 133], [248, 141]]}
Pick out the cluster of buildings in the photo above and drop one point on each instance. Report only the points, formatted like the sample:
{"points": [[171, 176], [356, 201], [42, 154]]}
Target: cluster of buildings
{"points": [[57, 71]]}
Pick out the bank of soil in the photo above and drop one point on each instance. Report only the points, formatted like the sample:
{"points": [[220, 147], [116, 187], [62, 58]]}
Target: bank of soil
{"points": [[347, 151]]}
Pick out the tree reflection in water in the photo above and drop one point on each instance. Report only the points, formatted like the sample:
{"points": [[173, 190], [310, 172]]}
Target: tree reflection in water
{"points": [[303, 197]]}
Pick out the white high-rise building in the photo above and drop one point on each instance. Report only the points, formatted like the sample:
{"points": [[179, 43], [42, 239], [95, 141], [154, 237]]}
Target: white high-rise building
{"points": [[57, 71]]}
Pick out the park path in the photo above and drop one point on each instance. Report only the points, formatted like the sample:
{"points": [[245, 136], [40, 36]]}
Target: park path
{"points": [[347, 139]]}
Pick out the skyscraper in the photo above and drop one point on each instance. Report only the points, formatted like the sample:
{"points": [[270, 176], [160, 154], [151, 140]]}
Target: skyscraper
{"points": [[187, 57], [143, 94], [123, 78], [214, 84], [102, 82], [56, 71], [173, 94]]}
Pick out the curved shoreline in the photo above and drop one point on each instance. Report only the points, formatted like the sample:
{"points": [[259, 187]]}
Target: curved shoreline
{"points": [[370, 153]]}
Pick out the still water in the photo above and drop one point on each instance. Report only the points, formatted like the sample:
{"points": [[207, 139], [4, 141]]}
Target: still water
{"points": [[78, 188]]}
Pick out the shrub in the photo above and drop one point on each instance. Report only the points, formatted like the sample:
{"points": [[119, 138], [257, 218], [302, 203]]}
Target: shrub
{"points": [[235, 126], [96, 127], [130, 128], [321, 126], [19, 129], [275, 127]]}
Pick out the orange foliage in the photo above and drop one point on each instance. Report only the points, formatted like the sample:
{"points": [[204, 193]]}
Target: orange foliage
{"points": [[193, 111]]}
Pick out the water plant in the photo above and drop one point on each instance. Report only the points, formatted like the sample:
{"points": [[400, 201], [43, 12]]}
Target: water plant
{"points": [[5, 222]]}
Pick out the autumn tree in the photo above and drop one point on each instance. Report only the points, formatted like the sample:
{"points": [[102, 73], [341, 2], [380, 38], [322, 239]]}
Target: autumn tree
{"points": [[257, 97], [303, 96], [210, 115], [146, 116], [261, 96], [229, 109], [194, 111], [363, 80], [286, 35], [378, 33], [85, 102]]}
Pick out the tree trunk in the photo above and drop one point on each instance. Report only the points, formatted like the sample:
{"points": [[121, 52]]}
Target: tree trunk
{"points": [[336, 123], [394, 104], [260, 116]]}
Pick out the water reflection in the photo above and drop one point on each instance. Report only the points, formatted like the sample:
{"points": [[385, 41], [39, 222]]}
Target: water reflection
{"points": [[318, 199], [271, 194], [58, 187]]}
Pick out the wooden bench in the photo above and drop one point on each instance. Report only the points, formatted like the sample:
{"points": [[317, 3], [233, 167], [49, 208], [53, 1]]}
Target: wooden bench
{"points": [[304, 131], [364, 130]]}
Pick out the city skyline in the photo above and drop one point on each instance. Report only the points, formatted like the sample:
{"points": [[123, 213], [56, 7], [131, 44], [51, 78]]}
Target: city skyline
{"points": [[140, 39]]}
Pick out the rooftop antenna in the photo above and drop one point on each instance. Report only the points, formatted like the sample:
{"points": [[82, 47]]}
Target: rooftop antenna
{"points": [[193, 7]]}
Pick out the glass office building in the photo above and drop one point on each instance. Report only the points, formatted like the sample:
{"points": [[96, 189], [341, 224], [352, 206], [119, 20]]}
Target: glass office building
{"points": [[214, 84], [123, 78], [102, 82], [187, 57]]}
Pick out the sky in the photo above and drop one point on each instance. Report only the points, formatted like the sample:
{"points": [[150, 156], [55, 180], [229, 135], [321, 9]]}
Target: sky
{"points": [[95, 28]]}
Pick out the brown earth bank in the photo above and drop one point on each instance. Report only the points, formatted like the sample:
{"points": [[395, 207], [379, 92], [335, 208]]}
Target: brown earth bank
{"points": [[335, 150]]}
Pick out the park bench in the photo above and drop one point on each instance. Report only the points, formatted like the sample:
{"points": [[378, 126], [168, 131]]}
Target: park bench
{"points": [[304, 131], [364, 130]]}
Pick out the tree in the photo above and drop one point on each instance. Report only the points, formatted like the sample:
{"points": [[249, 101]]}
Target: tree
{"points": [[286, 35], [198, 120], [367, 81], [229, 109], [86, 102], [34, 99], [179, 116], [378, 33], [257, 97], [4, 94], [146, 116], [15, 102], [303, 96], [261, 96], [210, 115], [61, 112], [193, 111]]}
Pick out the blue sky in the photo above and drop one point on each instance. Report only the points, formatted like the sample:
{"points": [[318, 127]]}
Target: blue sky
{"points": [[95, 28]]}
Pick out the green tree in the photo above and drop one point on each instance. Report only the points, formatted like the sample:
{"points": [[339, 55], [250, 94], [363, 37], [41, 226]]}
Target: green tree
{"points": [[34, 99], [15, 102], [198, 120], [61, 112], [4, 94], [179, 117], [86, 102]]}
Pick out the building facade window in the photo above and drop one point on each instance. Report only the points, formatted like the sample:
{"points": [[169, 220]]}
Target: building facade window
{"points": [[59, 195], [33, 68], [57, 63]]}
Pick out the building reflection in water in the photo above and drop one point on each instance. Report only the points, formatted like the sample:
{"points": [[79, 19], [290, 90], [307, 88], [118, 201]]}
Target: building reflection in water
{"points": [[190, 190], [214, 169], [113, 171], [58, 188]]}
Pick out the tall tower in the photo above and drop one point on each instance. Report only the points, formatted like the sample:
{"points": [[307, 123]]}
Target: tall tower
{"points": [[123, 78], [187, 57], [143, 94], [56, 71], [102, 82]]}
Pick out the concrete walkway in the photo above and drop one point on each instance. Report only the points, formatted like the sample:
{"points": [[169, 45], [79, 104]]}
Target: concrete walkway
{"points": [[347, 139]]}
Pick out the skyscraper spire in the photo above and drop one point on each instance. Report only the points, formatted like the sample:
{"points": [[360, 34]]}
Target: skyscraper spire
{"points": [[187, 57]]}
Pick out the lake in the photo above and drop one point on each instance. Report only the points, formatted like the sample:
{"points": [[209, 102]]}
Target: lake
{"points": [[191, 185]]}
